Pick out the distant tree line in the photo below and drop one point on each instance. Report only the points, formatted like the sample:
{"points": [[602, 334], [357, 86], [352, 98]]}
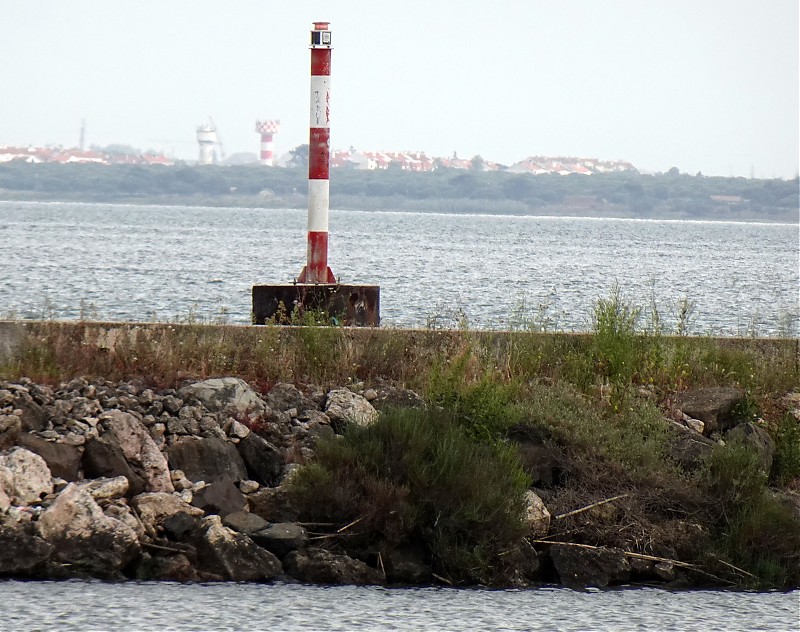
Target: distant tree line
{"points": [[628, 194]]}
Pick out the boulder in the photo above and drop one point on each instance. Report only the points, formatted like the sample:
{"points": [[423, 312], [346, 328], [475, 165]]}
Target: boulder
{"points": [[106, 488], [22, 552], [715, 406], [281, 538], [318, 566], [388, 397], [537, 517], [6, 488], [757, 439], [154, 508], [233, 555], [139, 449], [274, 504], [344, 407], [170, 568], [688, 448], [264, 462], [244, 522], [180, 525], [30, 476], [283, 397], [407, 565], [103, 458], [578, 567], [220, 498], [34, 417], [225, 393], [84, 536], [63, 460], [207, 459]]}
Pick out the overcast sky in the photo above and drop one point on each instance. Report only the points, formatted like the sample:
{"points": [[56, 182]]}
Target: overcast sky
{"points": [[704, 85]]}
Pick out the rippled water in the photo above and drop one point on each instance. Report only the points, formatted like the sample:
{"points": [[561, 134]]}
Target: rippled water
{"points": [[118, 262], [83, 606]]}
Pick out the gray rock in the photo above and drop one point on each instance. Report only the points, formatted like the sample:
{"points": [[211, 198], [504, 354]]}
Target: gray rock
{"points": [[756, 438], [22, 552], [244, 522], [344, 407], [688, 448], [225, 393], [264, 462], [139, 449], [31, 478], [102, 458], [207, 459], [234, 555], [536, 517], [578, 567], [715, 407], [220, 498], [281, 538], [83, 535], [318, 566], [106, 488], [63, 460], [154, 509], [394, 397], [273, 504], [283, 397]]}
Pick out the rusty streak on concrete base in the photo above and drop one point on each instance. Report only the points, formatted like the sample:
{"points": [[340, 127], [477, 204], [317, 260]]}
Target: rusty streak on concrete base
{"points": [[357, 305]]}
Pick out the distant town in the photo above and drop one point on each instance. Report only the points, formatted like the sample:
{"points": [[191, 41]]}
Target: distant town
{"points": [[340, 159]]}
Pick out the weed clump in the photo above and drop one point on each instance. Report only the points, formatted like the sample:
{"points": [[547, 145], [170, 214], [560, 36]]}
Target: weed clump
{"points": [[416, 476]]}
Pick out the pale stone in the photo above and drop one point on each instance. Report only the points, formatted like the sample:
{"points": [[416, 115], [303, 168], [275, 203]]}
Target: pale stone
{"points": [[154, 508], [537, 516], [344, 406], [106, 488], [80, 532], [694, 424], [220, 393], [31, 476], [239, 430], [139, 449], [6, 487], [248, 487]]}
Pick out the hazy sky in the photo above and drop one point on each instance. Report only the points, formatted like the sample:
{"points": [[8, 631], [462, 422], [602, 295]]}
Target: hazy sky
{"points": [[704, 85]]}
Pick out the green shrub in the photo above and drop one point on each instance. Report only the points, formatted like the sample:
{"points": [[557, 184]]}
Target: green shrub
{"points": [[415, 475], [786, 462]]}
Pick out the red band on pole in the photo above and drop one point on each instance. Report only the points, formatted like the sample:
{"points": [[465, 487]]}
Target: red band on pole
{"points": [[319, 157]]}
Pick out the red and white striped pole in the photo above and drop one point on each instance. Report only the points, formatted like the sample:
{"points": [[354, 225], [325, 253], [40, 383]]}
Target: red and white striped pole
{"points": [[267, 129], [316, 269]]}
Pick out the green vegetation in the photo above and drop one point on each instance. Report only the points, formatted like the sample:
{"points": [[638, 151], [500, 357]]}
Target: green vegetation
{"points": [[416, 476], [443, 190], [596, 409]]}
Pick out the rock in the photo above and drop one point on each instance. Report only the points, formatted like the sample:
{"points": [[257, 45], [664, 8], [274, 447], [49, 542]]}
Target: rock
{"points": [[6, 488], [171, 404], [756, 438], [10, 424], [318, 566], [578, 567], [715, 407], [407, 565], [102, 458], [31, 478], [282, 397], [248, 486], [63, 460], [207, 459], [106, 488], [393, 397], [83, 535], [688, 448], [33, 417], [238, 430], [139, 449], [155, 508], [244, 522], [273, 504], [537, 517], [693, 424], [170, 568], [370, 394], [178, 526], [220, 498], [221, 394], [22, 552], [264, 462], [665, 571], [281, 538], [344, 407], [233, 555]]}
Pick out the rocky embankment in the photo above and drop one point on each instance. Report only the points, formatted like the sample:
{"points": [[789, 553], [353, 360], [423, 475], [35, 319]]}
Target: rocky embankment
{"points": [[116, 481]]}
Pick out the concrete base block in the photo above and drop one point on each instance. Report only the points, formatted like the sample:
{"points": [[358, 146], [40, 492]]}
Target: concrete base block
{"points": [[288, 304]]}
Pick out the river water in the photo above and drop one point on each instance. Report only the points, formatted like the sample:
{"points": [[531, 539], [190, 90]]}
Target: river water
{"points": [[124, 262], [144, 263], [84, 606]]}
